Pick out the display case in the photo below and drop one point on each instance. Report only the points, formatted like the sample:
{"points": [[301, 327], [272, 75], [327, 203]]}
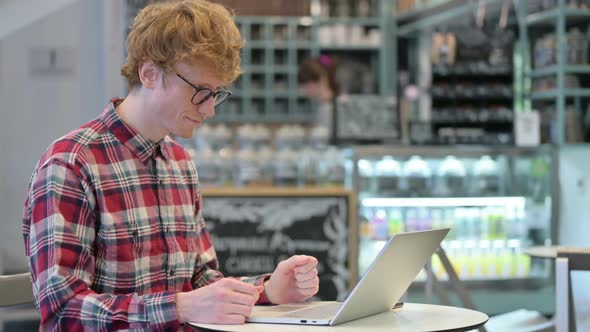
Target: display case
{"points": [[497, 201]]}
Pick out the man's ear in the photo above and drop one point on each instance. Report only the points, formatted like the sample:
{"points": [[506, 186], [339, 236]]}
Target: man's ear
{"points": [[149, 74]]}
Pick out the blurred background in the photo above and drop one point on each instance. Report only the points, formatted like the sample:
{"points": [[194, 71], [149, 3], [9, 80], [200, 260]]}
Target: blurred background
{"points": [[466, 114]]}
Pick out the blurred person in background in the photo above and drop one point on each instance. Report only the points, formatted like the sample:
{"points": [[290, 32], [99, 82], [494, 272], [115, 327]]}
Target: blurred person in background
{"points": [[112, 223], [317, 82], [326, 78]]}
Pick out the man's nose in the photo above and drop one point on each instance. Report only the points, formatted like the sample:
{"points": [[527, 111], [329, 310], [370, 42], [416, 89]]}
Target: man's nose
{"points": [[208, 108]]}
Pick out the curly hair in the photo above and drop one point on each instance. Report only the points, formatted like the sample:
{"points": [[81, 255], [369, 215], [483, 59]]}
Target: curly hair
{"points": [[174, 31]]}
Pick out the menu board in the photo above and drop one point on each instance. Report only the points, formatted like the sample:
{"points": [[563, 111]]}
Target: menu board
{"points": [[252, 232], [367, 117]]}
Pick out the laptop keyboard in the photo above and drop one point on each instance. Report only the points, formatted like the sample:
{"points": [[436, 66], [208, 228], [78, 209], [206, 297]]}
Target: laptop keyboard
{"points": [[321, 311]]}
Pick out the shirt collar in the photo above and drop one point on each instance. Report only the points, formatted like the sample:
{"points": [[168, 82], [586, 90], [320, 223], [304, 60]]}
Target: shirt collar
{"points": [[140, 145]]}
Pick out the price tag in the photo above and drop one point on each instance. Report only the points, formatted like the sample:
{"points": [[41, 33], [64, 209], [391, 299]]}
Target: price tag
{"points": [[527, 129]]}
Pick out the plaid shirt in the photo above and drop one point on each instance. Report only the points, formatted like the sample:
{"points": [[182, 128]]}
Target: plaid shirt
{"points": [[113, 230]]}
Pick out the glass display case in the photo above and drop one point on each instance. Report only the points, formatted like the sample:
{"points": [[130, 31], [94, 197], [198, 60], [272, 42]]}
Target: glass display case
{"points": [[497, 202]]}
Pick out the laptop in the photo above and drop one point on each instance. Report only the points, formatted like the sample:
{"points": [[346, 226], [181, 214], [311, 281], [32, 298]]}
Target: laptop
{"points": [[387, 279]]}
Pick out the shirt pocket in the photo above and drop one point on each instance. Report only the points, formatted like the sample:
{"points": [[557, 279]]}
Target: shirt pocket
{"points": [[128, 250], [188, 239]]}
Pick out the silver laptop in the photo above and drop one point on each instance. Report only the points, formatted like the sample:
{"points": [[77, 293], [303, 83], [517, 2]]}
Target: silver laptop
{"points": [[386, 280]]}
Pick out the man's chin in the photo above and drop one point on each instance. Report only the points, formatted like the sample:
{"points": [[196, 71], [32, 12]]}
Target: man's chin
{"points": [[185, 134]]}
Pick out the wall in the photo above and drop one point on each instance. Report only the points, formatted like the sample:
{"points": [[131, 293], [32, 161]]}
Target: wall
{"points": [[574, 177], [42, 96]]}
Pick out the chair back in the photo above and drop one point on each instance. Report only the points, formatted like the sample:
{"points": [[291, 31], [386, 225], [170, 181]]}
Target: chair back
{"points": [[16, 289]]}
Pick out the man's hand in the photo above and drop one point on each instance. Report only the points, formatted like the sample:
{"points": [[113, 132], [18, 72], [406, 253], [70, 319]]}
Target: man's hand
{"points": [[294, 280], [227, 301]]}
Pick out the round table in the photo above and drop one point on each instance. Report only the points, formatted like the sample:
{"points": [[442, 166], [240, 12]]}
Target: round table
{"points": [[542, 251], [411, 317]]}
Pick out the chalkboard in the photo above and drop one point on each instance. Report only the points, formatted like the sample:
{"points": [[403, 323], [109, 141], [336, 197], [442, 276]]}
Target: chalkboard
{"points": [[254, 231], [367, 117]]}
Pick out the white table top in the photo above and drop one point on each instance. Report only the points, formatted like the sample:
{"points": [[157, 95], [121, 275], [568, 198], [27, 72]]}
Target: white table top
{"points": [[411, 317], [542, 251], [551, 251]]}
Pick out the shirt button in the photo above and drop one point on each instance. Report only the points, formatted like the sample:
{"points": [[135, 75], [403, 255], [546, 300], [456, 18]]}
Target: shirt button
{"points": [[171, 272]]}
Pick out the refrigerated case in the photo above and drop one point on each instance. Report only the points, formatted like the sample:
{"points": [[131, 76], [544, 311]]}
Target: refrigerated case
{"points": [[497, 202]]}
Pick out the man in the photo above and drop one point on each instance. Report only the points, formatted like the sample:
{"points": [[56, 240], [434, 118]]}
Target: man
{"points": [[113, 223]]}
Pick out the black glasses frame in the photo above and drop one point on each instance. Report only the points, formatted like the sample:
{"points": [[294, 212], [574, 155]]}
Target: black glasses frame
{"points": [[219, 96]]}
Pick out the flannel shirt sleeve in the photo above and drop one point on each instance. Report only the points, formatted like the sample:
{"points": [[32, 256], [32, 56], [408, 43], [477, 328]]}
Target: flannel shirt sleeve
{"points": [[59, 230], [207, 265]]}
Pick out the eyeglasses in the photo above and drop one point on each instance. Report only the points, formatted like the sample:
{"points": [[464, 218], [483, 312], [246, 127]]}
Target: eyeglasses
{"points": [[203, 94]]}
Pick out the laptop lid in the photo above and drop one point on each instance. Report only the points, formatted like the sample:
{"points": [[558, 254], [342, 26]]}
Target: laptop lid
{"points": [[392, 272], [386, 280]]}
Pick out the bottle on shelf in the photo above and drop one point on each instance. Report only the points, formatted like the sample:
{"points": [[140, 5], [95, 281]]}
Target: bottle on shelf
{"points": [[475, 216], [309, 167], [521, 263], [285, 168], [417, 177], [486, 177], [366, 177], [335, 167], [207, 167], [227, 166], [486, 258], [248, 171], [220, 137], [202, 138], [387, 173], [449, 221], [411, 220], [424, 219], [460, 221], [451, 174], [503, 259], [438, 221], [472, 260], [264, 158], [246, 137], [396, 222], [381, 225]]}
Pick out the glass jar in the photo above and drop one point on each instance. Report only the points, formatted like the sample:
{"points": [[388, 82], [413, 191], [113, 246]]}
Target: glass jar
{"points": [[451, 174], [486, 177], [285, 168], [388, 173], [366, 177], [417, 176]]}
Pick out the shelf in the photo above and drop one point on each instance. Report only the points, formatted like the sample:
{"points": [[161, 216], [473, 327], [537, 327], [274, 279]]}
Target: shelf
{"points": [[280, 44], [443, 71], [548, 17], [285, 94], [473, 124], [276, 45], [259, 94], [444, 201], [367, 21], [376, 152], [474, 98], [530, 282], [418, 19], [350, 47], [554, 93], [256, 69], [428, 10], [282, 69], [553, 70], [257, 44]]}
